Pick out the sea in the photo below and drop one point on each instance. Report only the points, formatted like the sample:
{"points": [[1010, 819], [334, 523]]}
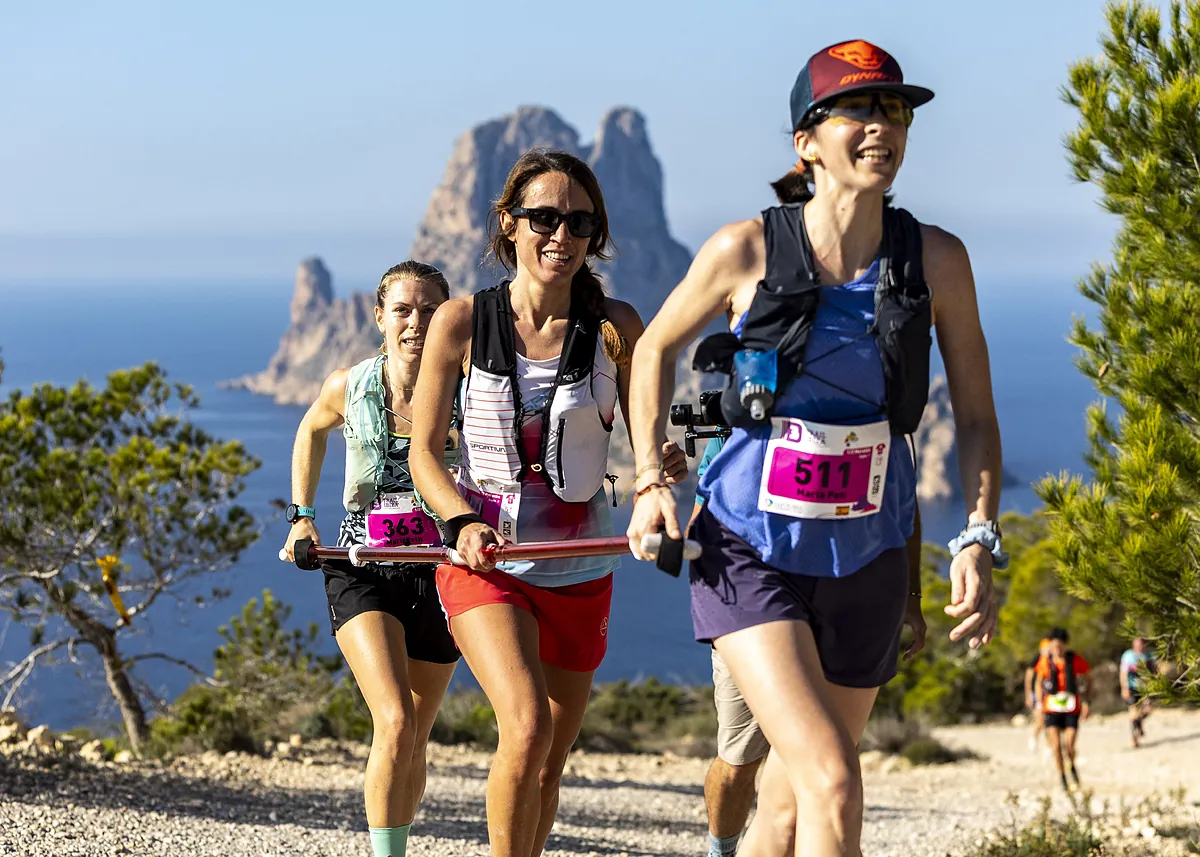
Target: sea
{"points": [[206, 332]]}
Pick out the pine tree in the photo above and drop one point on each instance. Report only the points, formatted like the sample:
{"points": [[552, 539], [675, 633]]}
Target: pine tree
{"points": [[111, 502], [1131, 534]]}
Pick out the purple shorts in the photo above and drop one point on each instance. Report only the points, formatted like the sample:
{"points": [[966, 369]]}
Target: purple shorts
{"points": [[856, 619]]}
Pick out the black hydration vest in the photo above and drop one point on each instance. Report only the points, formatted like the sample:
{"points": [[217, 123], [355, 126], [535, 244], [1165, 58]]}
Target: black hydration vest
{"points": [[1070, 682], [781, 316]]}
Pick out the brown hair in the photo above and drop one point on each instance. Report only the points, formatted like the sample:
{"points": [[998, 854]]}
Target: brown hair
{"points": [[586, 284], [409, 270], [794, 186]]}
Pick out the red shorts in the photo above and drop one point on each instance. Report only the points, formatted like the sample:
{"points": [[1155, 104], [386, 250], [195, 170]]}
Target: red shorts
{"points": [[572, 620]]}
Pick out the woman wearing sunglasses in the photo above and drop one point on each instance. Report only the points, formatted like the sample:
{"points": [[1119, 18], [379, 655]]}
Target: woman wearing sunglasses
{"points": [[537, 365], [803, 584]]}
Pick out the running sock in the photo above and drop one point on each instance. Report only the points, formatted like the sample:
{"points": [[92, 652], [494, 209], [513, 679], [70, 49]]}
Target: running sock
{"points": [[389, 841], [1074, 774], [1066, 787], [722, 847]]}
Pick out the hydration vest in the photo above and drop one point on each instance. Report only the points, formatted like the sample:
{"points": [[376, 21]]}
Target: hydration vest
{"points": [[1048, 673], [366, 433], [785, 303], [573, 454]]}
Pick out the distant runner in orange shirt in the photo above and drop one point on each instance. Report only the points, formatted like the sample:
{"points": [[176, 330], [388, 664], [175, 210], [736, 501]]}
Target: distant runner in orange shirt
{"points": [[1065, 692]]}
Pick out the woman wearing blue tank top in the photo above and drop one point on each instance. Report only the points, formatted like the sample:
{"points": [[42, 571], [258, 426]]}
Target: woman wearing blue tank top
{"points": [[803, 583]]}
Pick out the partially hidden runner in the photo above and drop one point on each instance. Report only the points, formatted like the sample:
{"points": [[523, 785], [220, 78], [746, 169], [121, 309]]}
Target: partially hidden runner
{"points": [[1137, 664], [803, 582], [1033, 699], [1065, 691], [385, 616], [741, 746], [537, 365]]}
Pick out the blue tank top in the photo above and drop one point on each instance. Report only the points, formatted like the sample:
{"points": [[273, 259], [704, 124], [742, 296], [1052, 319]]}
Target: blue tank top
{"points": [[842, 382]]}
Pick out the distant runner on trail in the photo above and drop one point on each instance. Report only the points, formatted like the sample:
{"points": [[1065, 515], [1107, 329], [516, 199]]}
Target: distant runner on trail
{"points": [[1065, 691], [1137, 664]]}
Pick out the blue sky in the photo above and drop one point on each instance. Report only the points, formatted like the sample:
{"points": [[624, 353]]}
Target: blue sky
{"points": [[227, 140]]}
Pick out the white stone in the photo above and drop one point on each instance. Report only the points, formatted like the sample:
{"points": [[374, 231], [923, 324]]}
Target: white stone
{"points": [[92, 751], [123, 757], [40, 737]]}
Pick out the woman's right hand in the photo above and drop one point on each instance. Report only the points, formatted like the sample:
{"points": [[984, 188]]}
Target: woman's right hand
{"points": [[304, 528], [652, 511], [472, 539]]}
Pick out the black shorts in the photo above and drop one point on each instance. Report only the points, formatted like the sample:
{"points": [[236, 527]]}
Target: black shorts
{"points": [[855, 619], [1054, 720], [409, 594]]}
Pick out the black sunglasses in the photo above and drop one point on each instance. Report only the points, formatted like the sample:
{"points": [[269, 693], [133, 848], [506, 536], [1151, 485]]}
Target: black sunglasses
{"points": [[544, 221]]}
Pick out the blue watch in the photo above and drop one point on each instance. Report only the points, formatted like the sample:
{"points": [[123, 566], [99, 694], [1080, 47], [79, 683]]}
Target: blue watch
{"points": [[293, 512], [986, 533]]}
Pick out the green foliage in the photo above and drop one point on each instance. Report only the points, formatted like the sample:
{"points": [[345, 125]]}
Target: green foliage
{"points": [[203, 718], [949, 683], [1090, 829], [649, 716], [272, 683], [346, 716], [623, 716], [1045, 837], [466, 717], [1129, 535], [268, 667], [117, 471]]}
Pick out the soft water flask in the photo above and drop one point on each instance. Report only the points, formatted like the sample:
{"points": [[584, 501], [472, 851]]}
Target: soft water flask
{"points": [[755, 380]]}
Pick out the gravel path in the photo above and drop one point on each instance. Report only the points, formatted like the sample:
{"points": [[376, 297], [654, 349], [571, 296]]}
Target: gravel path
{"points": [[646, 806]]}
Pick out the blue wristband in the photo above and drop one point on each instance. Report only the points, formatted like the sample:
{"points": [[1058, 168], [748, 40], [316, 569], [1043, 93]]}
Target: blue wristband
{"points": [[985, 533]]}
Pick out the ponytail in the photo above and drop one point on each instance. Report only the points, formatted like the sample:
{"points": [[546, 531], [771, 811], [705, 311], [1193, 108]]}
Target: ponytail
{"points": [[586, 286], [794, 187]]}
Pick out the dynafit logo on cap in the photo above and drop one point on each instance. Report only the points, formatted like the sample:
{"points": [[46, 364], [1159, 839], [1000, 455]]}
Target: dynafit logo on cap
{"points": [[860, 54]]}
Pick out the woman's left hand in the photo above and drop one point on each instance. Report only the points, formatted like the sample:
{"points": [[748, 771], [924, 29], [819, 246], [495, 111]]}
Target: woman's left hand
{"points": [[674, 466]]}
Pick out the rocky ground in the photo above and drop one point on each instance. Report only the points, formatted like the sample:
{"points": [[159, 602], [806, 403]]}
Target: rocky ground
{"points": [[57, 803]]}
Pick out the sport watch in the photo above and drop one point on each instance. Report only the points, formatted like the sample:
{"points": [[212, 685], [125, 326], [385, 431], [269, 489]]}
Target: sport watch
{"points": [[293, 512], [985, 533]]}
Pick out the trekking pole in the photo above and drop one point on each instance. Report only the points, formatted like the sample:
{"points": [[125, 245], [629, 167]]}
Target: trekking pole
{"points": [[669, 554]]}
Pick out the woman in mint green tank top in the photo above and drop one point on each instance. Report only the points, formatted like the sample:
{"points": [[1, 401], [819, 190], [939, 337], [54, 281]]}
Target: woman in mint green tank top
{"points": [[385, 616]]}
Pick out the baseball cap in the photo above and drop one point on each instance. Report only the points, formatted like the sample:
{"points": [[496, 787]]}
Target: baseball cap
{"points": [[1058, 634], [848, 67]]}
